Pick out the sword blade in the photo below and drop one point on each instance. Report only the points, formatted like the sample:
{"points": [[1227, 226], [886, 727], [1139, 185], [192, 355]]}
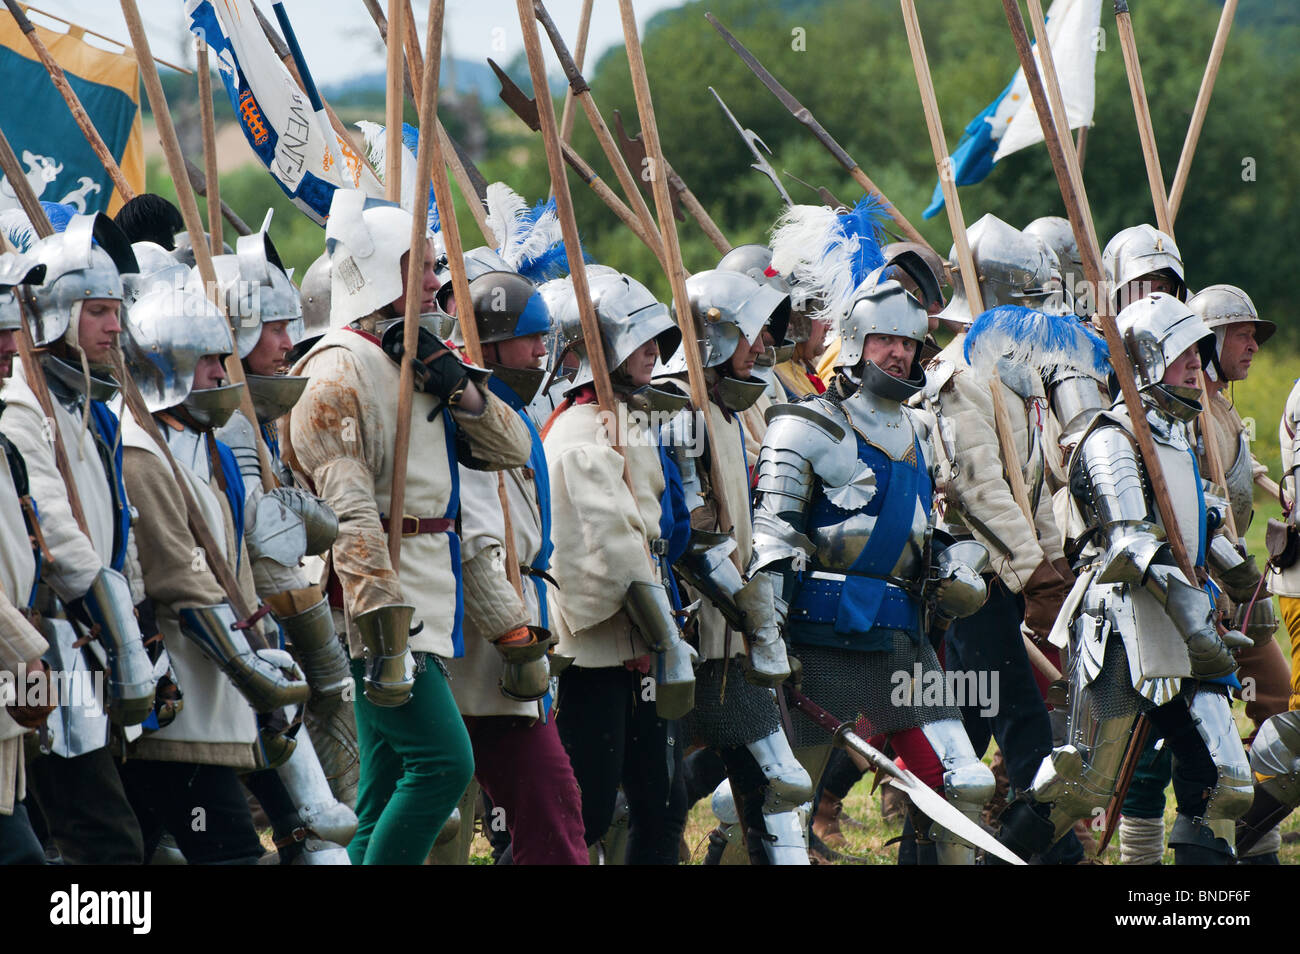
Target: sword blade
{"points": [[796, 109], [923, 797]]}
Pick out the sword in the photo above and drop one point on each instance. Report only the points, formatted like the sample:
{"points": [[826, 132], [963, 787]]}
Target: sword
{"points": [[801, 113], [753, 141], [922, 796]]}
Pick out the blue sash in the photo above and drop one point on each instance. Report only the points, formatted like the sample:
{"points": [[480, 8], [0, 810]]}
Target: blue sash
{"points": [[106, 427]]}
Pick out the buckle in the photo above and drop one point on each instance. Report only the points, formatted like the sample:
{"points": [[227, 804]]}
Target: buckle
{"points": [[414, 525]]}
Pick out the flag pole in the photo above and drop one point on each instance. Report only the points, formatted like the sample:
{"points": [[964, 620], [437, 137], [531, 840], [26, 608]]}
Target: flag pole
{"points": [[209, 146], [393, 106]]}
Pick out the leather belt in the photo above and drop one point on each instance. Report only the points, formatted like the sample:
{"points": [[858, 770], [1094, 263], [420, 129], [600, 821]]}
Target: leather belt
{"points": [[414, 526]]}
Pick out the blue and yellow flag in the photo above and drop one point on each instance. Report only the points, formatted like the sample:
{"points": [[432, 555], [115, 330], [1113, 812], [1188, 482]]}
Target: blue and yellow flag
{"points": [[59, 162]]}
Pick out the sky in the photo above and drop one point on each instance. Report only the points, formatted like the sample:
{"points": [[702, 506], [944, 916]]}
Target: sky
{"points": [[339, 38]]}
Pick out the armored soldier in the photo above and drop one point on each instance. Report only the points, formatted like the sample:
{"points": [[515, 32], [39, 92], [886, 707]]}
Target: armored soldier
{"points": [[415, 754], [282, 527], [76, 319], [615, 619], [1239, 332], [843, 522], [1030, 576], [502, 683], [1285, 581], [738, 619], [1143, 638], [174, 346], [21, 644]]}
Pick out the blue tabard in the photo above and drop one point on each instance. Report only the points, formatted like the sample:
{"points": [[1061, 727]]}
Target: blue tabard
{"points": [[862, 611]]}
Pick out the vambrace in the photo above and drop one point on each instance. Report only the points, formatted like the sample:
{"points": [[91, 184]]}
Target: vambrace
{"points": [[239, 435], [1192, 612], [1235, 571], [107, 604], [1107, 481], [262, 677], [707, 566]]}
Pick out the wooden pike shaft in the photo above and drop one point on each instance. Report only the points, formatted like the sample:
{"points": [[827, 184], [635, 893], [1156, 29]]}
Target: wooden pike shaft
{"points": [[424, 163], [564, 211], [458, 171], [209, 147], [1210, 434], [393, 105], [74, 103], [190, 213], [578, 88], [199, 183], [1202, 105], [1091, 255], [579, 59], [32, 369], [1151, 155], [203, 535], [1059, 115], [676, 273]]}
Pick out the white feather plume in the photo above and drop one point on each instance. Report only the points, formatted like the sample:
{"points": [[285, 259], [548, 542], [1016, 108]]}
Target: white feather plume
{"points": [[809, 246], [507, 217], [376, 136]]}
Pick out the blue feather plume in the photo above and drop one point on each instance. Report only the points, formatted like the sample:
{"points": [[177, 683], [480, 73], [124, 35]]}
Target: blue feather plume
{"points": [[1042, 341], [864, 224]]}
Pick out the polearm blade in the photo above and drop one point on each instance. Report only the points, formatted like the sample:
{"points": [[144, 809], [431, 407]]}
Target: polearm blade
{"points": [[922, 796], [634, 152], [801, 113], [753, 141]]}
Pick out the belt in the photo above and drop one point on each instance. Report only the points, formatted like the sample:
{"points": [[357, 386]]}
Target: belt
{"points": [[819, 598], [414, 526]]}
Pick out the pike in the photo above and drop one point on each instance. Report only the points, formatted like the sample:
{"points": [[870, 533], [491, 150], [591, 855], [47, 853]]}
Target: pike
{"points": [[922, 796], [634, 150], [526, 109], [309, 86], [1065, 165], [32, 369], [581, 91], [579, 59], [468, 178], [970, 282], [801, 113], [753, 141], [208, 123]]}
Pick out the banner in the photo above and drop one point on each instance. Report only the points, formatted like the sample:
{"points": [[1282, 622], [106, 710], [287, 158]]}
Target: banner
{"points": [[60, 165], [277, 119]]}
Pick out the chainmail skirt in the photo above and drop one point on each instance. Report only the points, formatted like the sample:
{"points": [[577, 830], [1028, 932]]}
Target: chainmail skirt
{"points": [[862, 688], [744, 714]]}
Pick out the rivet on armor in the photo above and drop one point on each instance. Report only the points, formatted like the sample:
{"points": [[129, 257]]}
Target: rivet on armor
{"points": [[713, 314]]}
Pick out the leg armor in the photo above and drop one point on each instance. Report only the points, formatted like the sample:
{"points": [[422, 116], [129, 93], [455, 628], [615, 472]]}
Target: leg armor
{"points": [[1275, 762], [1234, 791], [786, 800], [967, 785], [1079, 777], [327, 825]]}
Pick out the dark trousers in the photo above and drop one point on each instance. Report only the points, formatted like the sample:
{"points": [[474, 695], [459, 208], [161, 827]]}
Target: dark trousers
{"points": [[615, 736], [18, 843], [86, 810], [989, 641], [202, 806], [524, 770]]}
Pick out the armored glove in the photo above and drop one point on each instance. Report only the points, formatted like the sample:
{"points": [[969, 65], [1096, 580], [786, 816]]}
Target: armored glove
{"points": [[268, 679], [651, 612], [38, 686], [390, 667], [1044, 593], [767, 664], [105, 609], [438, 369], [527, 672], [1192, 612], [959, 589]]}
